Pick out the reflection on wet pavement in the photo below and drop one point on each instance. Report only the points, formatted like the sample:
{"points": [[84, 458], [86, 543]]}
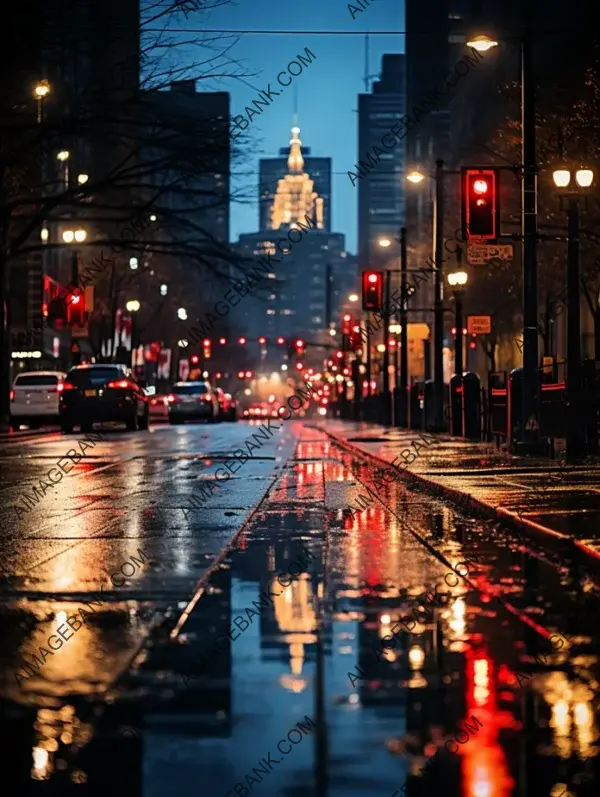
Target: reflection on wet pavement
{"points": [[264, 645]]}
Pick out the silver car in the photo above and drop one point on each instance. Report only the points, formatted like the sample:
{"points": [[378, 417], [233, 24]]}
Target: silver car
{"points": [[190, 401]]}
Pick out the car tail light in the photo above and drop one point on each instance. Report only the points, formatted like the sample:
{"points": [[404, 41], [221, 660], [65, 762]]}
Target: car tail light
{"points": [[170, 398], [264, 411], [65, 386], [123, 384], [207, 397], [153, 401], [12, 395]]}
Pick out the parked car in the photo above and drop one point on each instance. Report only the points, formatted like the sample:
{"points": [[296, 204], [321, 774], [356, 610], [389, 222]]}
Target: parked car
{"points": [[34, 398], [227, 406], [190, 401], [102, 393], [159, 407]]}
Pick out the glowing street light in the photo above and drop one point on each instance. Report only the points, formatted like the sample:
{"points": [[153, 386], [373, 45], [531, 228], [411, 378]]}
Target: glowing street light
{"points": [[482, 43], [182, 314], [415, 177], [132, 306]]}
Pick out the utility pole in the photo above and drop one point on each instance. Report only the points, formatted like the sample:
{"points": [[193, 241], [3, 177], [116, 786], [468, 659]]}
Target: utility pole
{"points": [[529, 239], [575, 444], [438, 318], [387, 407], [403, 331]]}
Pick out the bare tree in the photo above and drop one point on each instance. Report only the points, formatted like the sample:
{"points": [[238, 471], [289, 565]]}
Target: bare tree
{"points": [[157, 171]]}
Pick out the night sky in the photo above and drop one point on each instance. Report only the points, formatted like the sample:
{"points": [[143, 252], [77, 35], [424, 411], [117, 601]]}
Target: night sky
{"points": [[327, 89]]}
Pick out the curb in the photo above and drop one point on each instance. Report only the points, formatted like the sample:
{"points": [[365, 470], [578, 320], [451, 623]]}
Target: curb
{"points": [[560, 543]]}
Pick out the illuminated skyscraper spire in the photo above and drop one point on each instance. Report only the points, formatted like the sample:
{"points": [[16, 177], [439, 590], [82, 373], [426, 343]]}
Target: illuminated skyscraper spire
{"points": [[296, 197]]}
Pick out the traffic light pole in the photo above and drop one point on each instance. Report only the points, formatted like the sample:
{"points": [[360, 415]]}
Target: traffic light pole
{"points": [[403, 419], [75, 354], [530, 442], [438, 317], [575, 442], [387, 407]]}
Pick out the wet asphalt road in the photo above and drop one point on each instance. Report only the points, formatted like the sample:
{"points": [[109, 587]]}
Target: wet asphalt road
{"points": [[237, 649]]}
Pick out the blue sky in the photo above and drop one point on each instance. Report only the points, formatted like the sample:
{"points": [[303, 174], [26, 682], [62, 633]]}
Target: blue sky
{"points": [[327, 89]]}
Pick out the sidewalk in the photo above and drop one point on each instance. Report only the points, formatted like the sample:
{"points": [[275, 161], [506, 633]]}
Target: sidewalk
{"points": [[558, 503]]}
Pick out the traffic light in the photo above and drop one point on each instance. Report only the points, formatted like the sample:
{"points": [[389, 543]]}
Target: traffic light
{"points": [[194, 359], [206, 349], [372, 290], [75, 306], [346, 330], [480, 203], [299, 344]]}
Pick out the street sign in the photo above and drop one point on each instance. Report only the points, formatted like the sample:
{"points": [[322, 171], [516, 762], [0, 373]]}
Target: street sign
{"points": [[479, 324], [480, 254]]}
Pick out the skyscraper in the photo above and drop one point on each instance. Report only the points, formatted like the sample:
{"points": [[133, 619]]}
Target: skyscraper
{"points": [[381, 210], [273, 169]]}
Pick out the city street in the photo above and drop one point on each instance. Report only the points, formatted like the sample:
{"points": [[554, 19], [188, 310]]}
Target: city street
{"points": [[275, 636]]}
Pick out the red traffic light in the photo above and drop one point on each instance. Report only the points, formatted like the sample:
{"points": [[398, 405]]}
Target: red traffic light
{"points": [[242, 341], [262, 340], [240, 374], [299, 344], [480, 206], [372, 290], [280, 340], [222, 341], [248, 374], [299, 366], [194, 359], [206, 342]]}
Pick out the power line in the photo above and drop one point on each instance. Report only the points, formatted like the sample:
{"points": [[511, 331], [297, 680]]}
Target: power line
{"points": [[537, 31]]}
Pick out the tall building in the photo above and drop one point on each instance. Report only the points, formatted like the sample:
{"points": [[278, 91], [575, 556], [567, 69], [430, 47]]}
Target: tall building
{"points": [[381, 209], [88, 51], [308, 280], [273, 169]]}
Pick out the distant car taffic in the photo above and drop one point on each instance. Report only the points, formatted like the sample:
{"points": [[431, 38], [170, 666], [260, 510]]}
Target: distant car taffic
{"points": [[34, 398], [193, 401]]}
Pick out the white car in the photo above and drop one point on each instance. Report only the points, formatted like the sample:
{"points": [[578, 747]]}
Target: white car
{"points": [[34, 398]]}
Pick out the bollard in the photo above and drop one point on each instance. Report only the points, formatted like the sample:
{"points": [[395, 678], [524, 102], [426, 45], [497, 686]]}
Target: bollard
{"points": [[471, 396]]}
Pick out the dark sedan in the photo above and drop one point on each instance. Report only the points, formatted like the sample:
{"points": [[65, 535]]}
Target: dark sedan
{"points": [[102, 393]]}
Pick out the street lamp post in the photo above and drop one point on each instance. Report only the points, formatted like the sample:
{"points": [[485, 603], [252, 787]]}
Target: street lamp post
{"points": [[529, 232], [438, 311], [575, 447], [74, 237], [403, 415], [133, 307], [457, 281]]}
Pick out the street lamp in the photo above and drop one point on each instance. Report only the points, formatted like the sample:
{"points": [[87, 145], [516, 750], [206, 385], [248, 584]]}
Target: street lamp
{"points": [[164, 289], [354, 297], [584, 178], [40, 92], [182, 314], [133, 307], [63, 155], [78, 236], [133, 263], [415, 177], [482, 43], [529, 225], [457, 281]]}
